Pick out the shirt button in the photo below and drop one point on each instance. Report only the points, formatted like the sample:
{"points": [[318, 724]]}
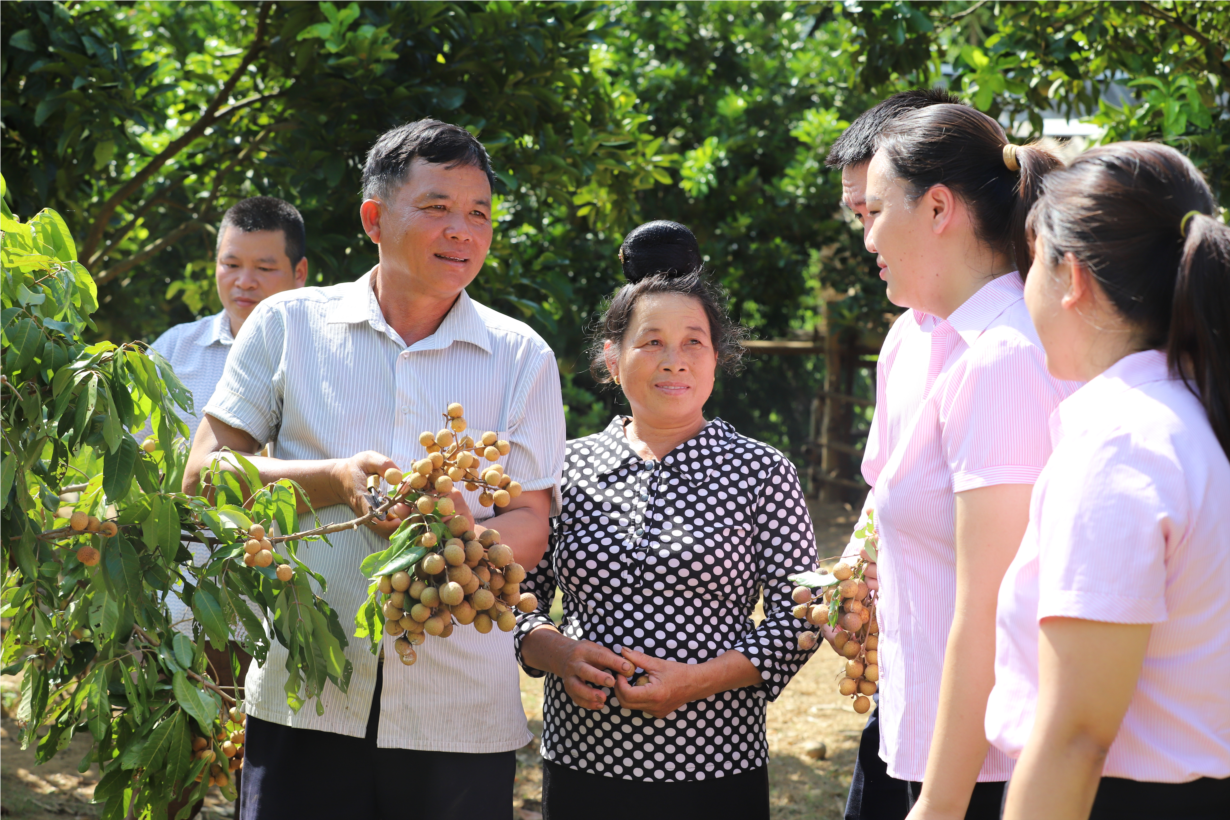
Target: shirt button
{"points": [[405, 408]]}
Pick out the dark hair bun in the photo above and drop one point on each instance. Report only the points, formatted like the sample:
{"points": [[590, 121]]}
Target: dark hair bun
{"points": [[660, 246]]}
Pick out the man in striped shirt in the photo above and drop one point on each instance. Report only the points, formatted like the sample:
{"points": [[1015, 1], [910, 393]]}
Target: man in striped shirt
{"points": [[340, 382]]}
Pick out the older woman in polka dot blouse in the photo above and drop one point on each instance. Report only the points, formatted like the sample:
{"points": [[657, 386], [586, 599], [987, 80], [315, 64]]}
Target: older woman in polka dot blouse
{"points": [[671, 527]]}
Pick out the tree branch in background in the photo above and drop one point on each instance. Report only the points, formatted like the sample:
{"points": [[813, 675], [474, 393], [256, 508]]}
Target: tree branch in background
{"points": [[149, 250], [1219, 51], [207, 118], [127, 227]]}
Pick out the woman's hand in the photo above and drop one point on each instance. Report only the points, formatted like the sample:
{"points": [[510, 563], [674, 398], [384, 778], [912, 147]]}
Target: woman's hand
{"points": [[671, 685], [577, 663], [870, 571]]}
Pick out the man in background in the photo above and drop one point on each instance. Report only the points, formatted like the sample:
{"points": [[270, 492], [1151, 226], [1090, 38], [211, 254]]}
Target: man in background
{"points": [[874, 795]]}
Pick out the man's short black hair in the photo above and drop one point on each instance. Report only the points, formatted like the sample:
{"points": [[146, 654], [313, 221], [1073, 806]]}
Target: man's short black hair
{"points": [[267, 213], [857, 144], [436, 142]]}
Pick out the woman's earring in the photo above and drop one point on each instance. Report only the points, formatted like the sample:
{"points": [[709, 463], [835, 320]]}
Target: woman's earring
{"points": [[616, 378]]}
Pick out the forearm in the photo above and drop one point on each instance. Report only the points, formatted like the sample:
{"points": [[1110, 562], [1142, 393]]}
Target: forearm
{"points": [[525, 529], [958, 744], [730, 670], [1057, 776], [545, 648]]}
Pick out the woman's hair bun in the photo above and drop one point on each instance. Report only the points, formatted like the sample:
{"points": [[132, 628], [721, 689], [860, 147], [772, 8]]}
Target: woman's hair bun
{"points": [[659, 247]]}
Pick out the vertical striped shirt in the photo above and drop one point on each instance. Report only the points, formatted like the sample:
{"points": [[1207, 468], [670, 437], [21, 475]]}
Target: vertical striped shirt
{"points": [[319, 374], [1128, 524], [961, 403]]}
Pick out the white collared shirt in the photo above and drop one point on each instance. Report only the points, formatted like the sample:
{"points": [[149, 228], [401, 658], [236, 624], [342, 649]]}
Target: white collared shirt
{"points": [[319, 374], [197, 352]]}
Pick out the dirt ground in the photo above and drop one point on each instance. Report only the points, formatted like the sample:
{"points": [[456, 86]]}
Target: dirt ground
{"points": [[809, 715]]}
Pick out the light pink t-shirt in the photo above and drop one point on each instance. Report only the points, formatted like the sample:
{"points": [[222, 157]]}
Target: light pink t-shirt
{"points": [[961, 403], [1130, 523]]}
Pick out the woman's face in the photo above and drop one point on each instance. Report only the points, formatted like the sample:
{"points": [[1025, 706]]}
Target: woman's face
{"points": [[1060, 327], [667, 362], [900, 234]]}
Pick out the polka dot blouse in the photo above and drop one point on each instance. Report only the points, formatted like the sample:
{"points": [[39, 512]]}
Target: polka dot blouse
{"points": [[669, 558]]}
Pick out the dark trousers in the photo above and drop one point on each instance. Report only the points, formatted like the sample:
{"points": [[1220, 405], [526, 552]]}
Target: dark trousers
{"points": [[301, 774], [1120, 799], [985, 803], [568, 794], [873, 794]]}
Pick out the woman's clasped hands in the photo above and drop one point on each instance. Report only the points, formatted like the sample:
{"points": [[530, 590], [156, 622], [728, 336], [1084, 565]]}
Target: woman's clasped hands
{"points": [[587, 668]]}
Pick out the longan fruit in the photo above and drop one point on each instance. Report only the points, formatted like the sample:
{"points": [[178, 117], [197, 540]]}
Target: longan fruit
{"points": [[807, 640], [851, 649], [818, 615], [444, 438], [417, 638], [483, 572], [862, 704], [108, 529], [501, 498], [464, 460], [401, 646], [866, 687], [458, 525], [483, 622], [455, 411], [430, 597], [457, 425], [452, 593], [434, 625], [428, 539], [229, 749], [199, 744], [399, 581], [801, 595], [511, 595], [393, 628], [848, 686], [150, 444], [256, 531], [842, 571], [503, 446], [514, 489], [78, 520], [467, 442], [507, 621], [847, 588], [448, 629], [416, 588], [433, 564], [872, 672], [853, 605], [252, 546], [489, 439], [284, 572], [460, 574], [398, 599], [409, 658], [249, 559], [483, 600], [514, 573], [800, 611], [393, 476], [444, 485], [237, 717], [236, 764], [264, 558], [497, 581], [391, 612], [863, 591], [433, 450], [850, 622], [418, 481], [872, 656], [437, 460], [425, 504], [420, 612], [266, 544], [88, 556], [528, 602], [454, 552], [840, 640], [464, 612], [427, 438], [500, 555], [864, 615], [872, 642], [873, 628], [491, 454], [505, 481], [471, 585], [474, 553], [456, 474], [854, 668], [486, 499], [93, 524], [424, 466]]}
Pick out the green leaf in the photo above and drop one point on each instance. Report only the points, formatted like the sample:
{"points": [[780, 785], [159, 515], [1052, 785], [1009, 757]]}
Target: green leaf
{"points": [[209, 614], [119, 467], [25, 341], [122, 567], [51, 229], [150, 753], [194, 701], [813, 579], [405, 561], [183, 648]]}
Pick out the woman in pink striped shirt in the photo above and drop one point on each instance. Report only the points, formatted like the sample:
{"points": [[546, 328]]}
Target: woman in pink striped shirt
{"points": [[959, 436], [1113, 637]]}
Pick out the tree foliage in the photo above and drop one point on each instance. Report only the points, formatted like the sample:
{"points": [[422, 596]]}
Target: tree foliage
{"points": [[95, 543]]}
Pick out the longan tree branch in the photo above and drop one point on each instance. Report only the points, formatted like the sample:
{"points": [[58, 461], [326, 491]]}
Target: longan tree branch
{"points": [[206, 682]]}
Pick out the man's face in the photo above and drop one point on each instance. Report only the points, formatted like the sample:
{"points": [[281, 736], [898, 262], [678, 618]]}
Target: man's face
{"points": [[854, 195], [252, 267], [435, 233]]}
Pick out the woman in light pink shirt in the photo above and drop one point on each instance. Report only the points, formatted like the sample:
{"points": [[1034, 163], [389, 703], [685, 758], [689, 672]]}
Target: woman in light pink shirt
{"points": [[1113, 632], [959, 436]]}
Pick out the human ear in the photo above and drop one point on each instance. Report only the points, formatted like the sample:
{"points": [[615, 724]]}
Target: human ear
{"points": [[369, 213], [1076, 280], [941, 203], [612, 360], [301, 272]]}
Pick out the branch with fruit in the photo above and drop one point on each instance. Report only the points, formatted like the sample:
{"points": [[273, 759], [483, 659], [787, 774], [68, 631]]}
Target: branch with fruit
{"points": [[841, 600]]}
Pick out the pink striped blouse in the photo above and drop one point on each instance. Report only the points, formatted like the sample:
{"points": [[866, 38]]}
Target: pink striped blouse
{"points": [[1129, 523], [961, 403]]}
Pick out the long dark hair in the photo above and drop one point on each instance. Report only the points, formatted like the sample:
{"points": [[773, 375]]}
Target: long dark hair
{"points": [[964, 149], [664, 257], [1138, 216]]}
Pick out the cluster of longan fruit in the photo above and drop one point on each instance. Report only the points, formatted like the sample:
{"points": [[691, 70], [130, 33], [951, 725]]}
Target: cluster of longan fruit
{"points": [[467, 580], [81, 522], [849, 606], [258, 552], [230, 744]]}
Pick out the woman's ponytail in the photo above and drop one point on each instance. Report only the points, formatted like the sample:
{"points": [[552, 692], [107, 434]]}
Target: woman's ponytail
{"points": [[1198, 346], [1034, 163]]}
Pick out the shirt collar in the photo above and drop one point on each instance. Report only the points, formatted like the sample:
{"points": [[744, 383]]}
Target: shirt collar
{"points": [[218, 331], [461, 324], [1086, 408], [977, 312], [698, 459]]}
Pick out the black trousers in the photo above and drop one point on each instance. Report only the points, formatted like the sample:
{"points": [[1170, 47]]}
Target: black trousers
{"points": [[568, 794], [1120, 799], [874, 795], [301, 774]]}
